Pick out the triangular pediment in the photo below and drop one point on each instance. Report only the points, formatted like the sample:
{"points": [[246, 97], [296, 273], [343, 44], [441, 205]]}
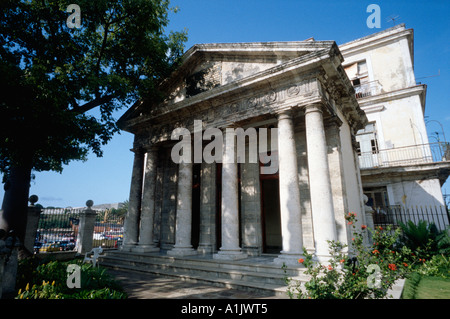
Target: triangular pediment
{"points": [[211, 67], [207, 66]]}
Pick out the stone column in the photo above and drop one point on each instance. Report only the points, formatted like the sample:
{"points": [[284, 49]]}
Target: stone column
{"points": [[131, 224], [183, 223], [324, 223], [291, 219], [86, 229], [230, 249], [33, 216], [207, 239], [148, 204]]}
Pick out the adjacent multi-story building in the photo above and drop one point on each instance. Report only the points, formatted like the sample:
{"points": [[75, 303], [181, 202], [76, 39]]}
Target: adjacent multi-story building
{"points": [[399, 164]]}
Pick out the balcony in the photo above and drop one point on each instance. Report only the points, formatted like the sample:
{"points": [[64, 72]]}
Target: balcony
{"points": [[367, 89], [406, 156]]}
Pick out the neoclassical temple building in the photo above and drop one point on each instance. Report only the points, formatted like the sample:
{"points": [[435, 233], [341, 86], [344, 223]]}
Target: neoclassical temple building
{"points": [[296, 93]]}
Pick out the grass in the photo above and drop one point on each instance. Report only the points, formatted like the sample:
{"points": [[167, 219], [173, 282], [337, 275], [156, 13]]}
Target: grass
{"points": [[426, 287]]}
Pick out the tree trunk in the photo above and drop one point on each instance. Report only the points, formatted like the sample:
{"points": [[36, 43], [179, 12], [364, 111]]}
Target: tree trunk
{"points": [[15, 200]]}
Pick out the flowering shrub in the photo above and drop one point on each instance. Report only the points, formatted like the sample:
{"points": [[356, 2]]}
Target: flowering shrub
{"points": [[43, 291], [366, 272]]}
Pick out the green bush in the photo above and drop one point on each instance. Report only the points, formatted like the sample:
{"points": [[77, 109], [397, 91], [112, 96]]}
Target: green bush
{"points": [[48, 280], [443, 242], [437, 266], [419, 236]]}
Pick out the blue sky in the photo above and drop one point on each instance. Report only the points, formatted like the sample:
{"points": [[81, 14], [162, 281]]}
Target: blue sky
{"points": [[107, 179]]}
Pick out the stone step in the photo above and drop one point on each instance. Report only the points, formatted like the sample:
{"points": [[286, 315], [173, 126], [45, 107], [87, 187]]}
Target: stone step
{"points": [[277, 290], [255, 264], [250, 274], [211, 272]]}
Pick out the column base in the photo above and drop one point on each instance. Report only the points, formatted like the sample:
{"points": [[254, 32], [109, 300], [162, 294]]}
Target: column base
{"points": [[145, 249], [128, 247], [288, 259], [205, 249], [230, 255], [181, 251]]}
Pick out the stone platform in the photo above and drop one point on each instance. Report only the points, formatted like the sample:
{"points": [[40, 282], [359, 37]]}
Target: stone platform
{"points": [[259, 274]]}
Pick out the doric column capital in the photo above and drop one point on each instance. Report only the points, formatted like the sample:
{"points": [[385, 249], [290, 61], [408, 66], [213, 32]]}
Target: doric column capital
{"points": [[284, 114], [314, 107]]}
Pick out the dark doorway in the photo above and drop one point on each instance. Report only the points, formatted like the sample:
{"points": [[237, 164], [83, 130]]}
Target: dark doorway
{"points": [[218, 206], [195, 226], [271, 218]]}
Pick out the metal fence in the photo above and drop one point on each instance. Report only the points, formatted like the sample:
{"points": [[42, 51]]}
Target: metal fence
{"points": [[394, 215], [108, 229], [58, 230]]}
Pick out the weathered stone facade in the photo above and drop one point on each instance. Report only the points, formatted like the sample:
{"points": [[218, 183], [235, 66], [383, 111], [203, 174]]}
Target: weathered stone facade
{"points": [[231, 209]]}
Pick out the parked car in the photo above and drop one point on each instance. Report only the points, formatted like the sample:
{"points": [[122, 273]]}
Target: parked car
{"points": [[49, 247], [66, 245], [37, 246]]}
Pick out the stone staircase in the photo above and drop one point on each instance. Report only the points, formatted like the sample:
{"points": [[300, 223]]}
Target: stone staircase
{"points": [[251, 274]]}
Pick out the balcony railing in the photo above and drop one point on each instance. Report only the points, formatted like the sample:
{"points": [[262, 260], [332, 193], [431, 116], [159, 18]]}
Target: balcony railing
{"points": [[367, 89], [404, 156]]}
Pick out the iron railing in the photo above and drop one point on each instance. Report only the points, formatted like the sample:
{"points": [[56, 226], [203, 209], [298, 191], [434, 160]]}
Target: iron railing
{"points": [[408, 155], [394, 215], [367, 89], [58, 230]]}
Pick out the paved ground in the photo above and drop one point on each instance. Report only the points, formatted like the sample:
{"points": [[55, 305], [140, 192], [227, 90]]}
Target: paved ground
{"points": [[147, 286]]}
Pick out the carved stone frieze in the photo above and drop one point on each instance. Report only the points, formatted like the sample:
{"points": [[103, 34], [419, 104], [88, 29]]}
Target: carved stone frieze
{"points": [[237, 110]]}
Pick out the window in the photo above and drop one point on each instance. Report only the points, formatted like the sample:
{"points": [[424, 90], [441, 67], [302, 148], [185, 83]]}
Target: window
{"points": [[377, 197], [362, 67], [374, 144], [367, 146], [358, 73], [358, 148]]}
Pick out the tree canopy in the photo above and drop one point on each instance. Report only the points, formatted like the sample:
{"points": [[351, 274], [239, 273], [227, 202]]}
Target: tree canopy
{"points": [[53, 72], [53, 75]]}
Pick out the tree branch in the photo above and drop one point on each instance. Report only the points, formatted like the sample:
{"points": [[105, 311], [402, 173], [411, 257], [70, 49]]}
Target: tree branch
{"points": [[92, 104]]}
